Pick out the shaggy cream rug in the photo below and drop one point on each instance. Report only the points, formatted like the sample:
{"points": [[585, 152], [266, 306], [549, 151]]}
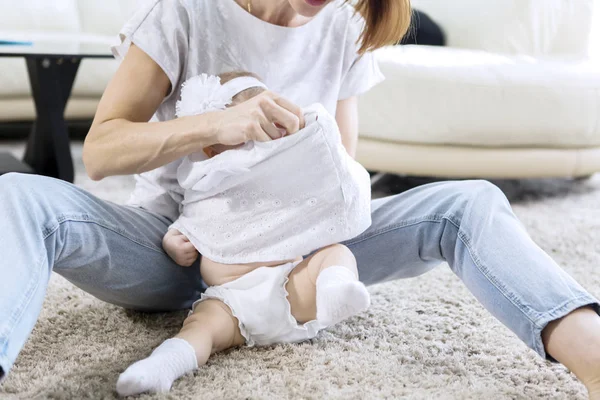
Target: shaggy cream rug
{"points": [[423, 338]]}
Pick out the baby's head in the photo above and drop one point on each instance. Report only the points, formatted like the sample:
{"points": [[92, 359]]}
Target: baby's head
{"points": [[245, 94], [207, 93]]}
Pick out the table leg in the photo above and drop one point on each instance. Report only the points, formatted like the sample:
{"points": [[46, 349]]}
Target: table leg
{"points": [[48, 151]]}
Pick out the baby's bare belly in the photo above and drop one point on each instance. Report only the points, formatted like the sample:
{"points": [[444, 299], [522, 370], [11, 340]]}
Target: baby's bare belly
{"points": [[215, 274]]}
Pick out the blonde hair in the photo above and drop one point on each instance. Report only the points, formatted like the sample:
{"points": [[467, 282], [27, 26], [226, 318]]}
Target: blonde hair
{"points": [[387, 21]]}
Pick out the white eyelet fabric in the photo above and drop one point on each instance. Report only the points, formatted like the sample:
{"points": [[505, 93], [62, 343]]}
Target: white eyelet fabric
{"points": [[277, 200]]}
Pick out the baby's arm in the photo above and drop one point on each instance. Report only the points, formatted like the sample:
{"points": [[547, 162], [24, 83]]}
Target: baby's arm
{"points": [[218, 149], [179, 248]]}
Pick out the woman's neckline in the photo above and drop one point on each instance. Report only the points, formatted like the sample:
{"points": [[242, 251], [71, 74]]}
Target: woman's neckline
{"points": [[255, 20]]}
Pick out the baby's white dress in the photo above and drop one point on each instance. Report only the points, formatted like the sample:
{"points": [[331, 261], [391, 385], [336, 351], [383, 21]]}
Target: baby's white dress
{"points": [[268, 202]]}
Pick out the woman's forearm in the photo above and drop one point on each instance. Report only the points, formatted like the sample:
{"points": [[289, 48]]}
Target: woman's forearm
{"points": [[347, 120], [120, 142], [121, 147]]}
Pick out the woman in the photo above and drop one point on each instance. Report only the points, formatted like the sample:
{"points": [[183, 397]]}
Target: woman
{"points": [[306, 51]]}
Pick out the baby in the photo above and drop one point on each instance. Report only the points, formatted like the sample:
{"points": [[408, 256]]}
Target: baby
{"points": [[253, 211]]}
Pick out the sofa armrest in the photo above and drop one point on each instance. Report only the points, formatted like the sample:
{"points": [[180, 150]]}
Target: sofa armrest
{"points": [[531, 27]]}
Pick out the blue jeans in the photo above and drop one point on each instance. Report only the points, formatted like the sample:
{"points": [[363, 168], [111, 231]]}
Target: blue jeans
{"points": [[114, 252]]}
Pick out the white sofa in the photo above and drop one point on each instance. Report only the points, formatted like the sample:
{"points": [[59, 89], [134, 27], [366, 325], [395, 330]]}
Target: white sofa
{"points": [[93, 20], [516, 93]]}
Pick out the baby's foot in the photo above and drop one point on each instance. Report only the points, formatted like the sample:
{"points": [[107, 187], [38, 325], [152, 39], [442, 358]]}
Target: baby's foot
{"points": [[339, 295], [155, 374]]}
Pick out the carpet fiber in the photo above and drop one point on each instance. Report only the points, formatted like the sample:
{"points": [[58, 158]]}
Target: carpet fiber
{"points": [[423, 338]]}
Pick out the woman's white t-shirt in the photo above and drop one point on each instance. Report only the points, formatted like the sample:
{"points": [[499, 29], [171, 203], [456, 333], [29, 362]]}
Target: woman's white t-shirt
{"points": [[314, 63]]}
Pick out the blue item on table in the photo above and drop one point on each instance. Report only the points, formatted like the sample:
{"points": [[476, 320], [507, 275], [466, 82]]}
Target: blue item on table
{"points": [[15, 43]]}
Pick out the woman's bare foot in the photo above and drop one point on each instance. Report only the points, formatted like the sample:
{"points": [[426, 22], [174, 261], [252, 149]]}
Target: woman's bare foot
{"points": [[574, 341], [593, 388]]}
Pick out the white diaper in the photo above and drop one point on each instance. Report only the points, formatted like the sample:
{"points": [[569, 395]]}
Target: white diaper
{"points": [[259, 301]]}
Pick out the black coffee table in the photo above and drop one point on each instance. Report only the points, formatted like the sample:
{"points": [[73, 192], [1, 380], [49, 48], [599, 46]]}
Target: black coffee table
{"points": [[52, 67]]}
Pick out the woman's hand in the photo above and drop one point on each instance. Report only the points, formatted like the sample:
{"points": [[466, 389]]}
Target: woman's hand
{"points": [[257, 119], [121, 141]]}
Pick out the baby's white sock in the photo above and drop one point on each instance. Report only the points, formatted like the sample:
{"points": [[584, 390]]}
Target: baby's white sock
{"points": [[339, 295], [155, 374]]}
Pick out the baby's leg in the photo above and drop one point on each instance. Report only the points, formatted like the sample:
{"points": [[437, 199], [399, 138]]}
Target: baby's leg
{"points": [[210, 329], [325, 287]]}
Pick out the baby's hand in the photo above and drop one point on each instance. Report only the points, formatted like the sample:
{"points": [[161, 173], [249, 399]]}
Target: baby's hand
{"points": [[179, 248]]}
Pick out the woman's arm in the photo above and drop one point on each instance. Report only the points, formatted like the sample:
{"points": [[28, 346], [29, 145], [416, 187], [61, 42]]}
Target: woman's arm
{"points": [[122, 141], [347, 120]]}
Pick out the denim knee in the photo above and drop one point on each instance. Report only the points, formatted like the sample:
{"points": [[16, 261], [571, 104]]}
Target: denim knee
{"points": [[10, 179], [29, 198], [482, 191], [21, 189], [12, 185], [476, 197]]}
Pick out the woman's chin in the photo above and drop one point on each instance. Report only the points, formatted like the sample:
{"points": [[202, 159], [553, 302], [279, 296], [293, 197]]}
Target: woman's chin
{"points": [[308, 8]]}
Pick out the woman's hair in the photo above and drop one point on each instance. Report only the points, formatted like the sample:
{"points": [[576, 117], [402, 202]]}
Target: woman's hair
{"points": [[387, 21]]}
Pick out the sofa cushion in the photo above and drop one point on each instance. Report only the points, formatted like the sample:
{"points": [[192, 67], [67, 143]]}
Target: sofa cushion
{"points": [[436, 95], [40, 15], [92, 76], [91, 80], [65, 21], [105, 17], [595, 33]]}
